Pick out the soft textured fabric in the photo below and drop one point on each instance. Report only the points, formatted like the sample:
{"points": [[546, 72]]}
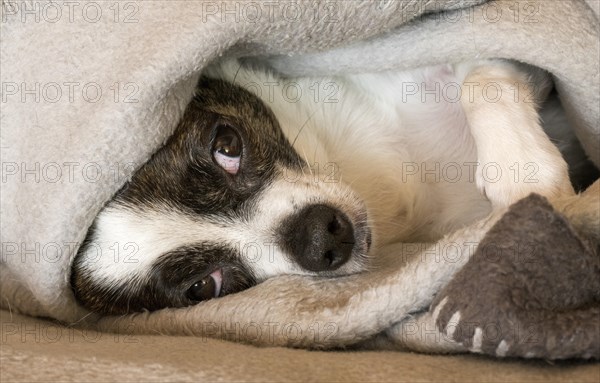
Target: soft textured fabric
{"points": [[88, 98]]}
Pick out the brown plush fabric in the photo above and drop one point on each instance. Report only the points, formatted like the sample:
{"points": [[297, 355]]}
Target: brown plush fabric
{"points": [[531, 289], [34, 350]]}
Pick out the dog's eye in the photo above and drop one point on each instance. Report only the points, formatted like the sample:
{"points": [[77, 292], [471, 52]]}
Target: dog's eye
{"points": [[207, 288], [227, 148]]}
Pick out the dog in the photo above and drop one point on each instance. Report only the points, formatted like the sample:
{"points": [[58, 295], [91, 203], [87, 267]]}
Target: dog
{"points": [[267, 175]]}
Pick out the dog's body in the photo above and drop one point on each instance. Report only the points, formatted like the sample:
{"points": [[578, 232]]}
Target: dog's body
{"points": [[313, 176]]}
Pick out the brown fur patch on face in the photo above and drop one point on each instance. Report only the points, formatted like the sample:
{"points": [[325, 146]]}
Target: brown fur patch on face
{"points": [[168, 281], [184, 176]]}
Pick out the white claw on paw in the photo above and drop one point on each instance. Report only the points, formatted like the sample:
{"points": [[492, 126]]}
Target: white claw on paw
{"points": [[436, 311], [502, 349], [452, 324], [477, 340]]}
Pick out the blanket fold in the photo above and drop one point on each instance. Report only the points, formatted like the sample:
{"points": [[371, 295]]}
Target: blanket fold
{"points": [[86, 100]]}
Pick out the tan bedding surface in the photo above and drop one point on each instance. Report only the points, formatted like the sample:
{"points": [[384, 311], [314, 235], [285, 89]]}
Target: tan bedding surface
{"points": [[37, 350]]}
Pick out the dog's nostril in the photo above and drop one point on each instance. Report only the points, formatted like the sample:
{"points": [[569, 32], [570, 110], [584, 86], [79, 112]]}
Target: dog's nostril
{"points": [[334, 225], [320, 238], [329, 256]]}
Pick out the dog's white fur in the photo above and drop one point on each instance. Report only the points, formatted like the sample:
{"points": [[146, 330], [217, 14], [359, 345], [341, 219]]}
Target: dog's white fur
{"points": [[373, 134]]}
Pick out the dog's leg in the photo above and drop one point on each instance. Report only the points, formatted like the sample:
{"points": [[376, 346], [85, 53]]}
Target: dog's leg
{"points": [[515, 156]]}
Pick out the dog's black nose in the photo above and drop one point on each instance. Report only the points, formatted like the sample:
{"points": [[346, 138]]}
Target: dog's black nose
{"points": [[320, 238]]}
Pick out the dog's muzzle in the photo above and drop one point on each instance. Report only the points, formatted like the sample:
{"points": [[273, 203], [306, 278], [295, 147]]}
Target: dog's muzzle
{"points": [[319, 237]]}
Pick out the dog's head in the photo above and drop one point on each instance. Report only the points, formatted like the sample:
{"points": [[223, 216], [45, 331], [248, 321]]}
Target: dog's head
{"points": [[225, 204]]}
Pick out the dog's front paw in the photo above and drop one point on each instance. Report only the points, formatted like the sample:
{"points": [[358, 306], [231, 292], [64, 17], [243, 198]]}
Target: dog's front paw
{"points": [[505, 182]]}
